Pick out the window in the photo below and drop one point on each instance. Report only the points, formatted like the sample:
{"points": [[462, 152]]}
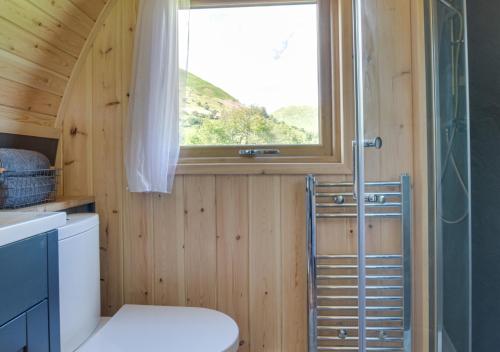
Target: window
{"points": [[258, 78]]}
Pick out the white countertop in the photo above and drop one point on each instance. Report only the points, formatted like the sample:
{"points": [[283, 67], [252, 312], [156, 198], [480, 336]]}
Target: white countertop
{"points": [[16, 226]]}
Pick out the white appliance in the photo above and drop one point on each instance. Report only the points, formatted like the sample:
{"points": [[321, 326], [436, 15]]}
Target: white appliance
{"points": [[16, 226], [134, 328]]}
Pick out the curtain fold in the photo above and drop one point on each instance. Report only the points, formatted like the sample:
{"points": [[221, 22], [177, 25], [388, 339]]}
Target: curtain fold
{"points": [[152, 130]]}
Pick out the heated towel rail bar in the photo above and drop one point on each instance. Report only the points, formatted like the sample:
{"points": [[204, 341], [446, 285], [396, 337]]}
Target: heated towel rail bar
{"points": [[332, 279]]}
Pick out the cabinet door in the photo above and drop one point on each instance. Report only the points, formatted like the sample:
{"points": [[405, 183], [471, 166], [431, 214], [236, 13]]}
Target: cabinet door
{"points": [[13, 335], [38, 328], [23, 276]]}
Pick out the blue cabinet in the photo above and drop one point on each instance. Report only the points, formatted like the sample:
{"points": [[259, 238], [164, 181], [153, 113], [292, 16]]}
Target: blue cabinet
{"points": [[29, 295], [37, 328], [13, 334]]}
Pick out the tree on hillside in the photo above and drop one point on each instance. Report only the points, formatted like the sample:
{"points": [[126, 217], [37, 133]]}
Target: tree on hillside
{"points": [[212, 116], [246, 126]]}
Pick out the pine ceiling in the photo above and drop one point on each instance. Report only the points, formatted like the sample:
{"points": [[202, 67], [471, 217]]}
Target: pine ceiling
{"points": [[40, 43]]}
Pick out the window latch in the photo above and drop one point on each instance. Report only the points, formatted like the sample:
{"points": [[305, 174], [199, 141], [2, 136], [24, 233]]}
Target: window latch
{"points": [[252, 153]]}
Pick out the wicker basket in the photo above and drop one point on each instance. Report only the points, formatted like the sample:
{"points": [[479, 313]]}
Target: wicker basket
{"points": [[20, 189]]}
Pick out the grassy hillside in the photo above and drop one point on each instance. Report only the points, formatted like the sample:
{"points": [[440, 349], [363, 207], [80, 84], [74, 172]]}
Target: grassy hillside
{"points": [[300, 116], [203, 88], [213, 116]]}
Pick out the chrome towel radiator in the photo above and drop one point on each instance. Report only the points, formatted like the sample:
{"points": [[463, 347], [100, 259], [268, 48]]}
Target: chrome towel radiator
{"points": [[332, 279]]}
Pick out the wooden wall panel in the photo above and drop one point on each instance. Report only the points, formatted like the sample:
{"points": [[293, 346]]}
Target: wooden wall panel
{"points": [[40, 24], [139, 276], [233, 252], [68, 14], [23, 71], [91, 7], [138, 249], [421, 259], [200, 241], [22, 97], [40, 43], [388, 95], [169, 252], [235, 243], [108, 158], [19, 42], [77, 136], [34, 119], [27, 129], [294, 272], [265, 263]]}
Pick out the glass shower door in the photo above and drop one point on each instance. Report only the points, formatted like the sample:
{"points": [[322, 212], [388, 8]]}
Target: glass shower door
{"points": [[450, 236], [383, 161]]}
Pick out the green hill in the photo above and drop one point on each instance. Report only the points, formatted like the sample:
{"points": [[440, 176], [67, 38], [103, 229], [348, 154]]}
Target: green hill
{"points": [[203, 88], [212, 116], [300, 116]]}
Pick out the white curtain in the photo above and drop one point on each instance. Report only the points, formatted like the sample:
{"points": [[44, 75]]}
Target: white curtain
{"points": [[152, 138]]}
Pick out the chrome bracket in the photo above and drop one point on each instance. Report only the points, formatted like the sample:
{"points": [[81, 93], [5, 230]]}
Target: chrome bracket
{"points": [[252, 153], [368, 143]]}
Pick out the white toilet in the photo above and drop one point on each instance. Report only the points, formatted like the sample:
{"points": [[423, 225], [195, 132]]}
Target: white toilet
{"points": [[134, 328]]}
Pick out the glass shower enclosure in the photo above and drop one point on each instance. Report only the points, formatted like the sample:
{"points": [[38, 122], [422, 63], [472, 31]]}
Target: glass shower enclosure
{"points": [[449, 161], [376, 26], [383, 153], [361, 285]]}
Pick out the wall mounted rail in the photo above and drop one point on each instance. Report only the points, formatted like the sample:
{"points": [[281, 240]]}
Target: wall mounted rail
{"points": [[333, 280]]}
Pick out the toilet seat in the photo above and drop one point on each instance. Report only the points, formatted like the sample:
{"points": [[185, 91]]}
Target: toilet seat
{"points": [[138, 328]]}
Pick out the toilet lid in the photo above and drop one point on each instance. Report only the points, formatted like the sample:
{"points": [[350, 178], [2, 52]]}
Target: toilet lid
{"points": [[179, 329]]}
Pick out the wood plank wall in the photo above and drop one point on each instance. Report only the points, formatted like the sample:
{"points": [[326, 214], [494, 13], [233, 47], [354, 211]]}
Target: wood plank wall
{"points": [[40, 43], [235, 243]]}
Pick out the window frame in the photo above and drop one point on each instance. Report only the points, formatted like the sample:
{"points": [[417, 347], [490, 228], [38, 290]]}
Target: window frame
{"points": [[335, 109]]}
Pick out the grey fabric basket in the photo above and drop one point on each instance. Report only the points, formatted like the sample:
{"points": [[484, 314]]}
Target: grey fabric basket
{"points": [[26, 178]]}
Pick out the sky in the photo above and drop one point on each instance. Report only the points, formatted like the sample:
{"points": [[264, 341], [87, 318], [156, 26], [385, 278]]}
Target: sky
{"points": [[265, 55]]}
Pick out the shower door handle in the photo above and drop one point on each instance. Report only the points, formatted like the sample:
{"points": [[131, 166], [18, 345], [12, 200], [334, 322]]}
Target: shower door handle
{"points": [[373, 143], [354, 170], [368, 143]]}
